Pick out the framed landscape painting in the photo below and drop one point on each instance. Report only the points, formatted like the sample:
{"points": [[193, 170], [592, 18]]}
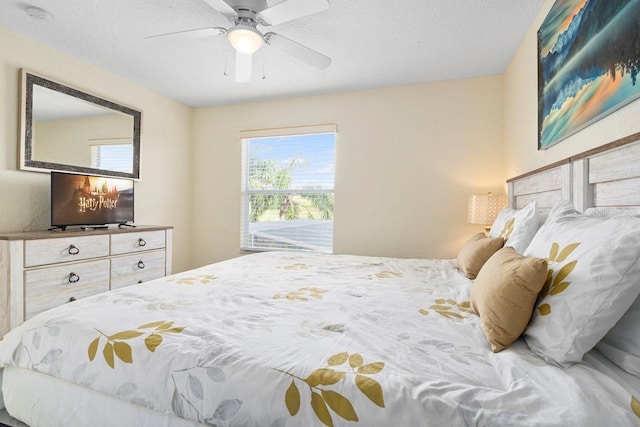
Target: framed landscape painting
{"points": [[588, 64]]}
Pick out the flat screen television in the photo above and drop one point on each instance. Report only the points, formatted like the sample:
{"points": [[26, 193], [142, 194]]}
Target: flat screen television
{"points": [[90, 200]]}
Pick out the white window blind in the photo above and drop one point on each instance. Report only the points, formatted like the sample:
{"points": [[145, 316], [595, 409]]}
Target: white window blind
{"points": [[112, 156], [288, 189]]}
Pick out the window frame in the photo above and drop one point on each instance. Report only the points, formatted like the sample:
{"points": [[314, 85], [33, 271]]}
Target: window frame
{"points": [[245, 192]]}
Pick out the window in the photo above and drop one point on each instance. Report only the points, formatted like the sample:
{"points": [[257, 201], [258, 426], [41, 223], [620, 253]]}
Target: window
{"points": [[288, 190], [112, 156]]}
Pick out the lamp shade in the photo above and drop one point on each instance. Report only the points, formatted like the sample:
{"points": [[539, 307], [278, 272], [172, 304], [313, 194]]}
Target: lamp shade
{"points": [[245, 38], [484, 208]]}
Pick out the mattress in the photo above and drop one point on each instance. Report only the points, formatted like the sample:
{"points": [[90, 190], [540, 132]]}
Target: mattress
{"points": [[43, 400], [283, 339], [80, 406]]}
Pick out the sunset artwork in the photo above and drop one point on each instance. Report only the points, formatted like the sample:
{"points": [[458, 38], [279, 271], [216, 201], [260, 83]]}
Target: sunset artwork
{"points": [[588, 63]]}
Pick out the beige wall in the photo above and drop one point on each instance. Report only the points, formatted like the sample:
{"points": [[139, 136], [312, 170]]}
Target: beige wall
{"points": [[407, 158], [162, 197], [521, 114]]}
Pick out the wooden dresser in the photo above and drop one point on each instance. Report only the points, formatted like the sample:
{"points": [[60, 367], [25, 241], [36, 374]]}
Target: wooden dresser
{"points": [[41, 270]]}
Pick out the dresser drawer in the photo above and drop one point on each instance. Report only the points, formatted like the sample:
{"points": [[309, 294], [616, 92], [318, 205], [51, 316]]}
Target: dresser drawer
{"points": [[65, 249], [132, 269], [134, 242], [46, 288]]}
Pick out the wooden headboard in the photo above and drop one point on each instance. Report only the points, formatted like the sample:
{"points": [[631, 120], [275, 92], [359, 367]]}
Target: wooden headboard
{"points": [[607, 176]]}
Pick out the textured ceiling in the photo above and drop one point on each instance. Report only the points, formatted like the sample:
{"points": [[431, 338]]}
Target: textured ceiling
{"points": [[372, 43]]}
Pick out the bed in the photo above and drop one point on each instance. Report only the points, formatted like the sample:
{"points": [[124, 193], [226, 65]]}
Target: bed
{"points": [[301, 339]]}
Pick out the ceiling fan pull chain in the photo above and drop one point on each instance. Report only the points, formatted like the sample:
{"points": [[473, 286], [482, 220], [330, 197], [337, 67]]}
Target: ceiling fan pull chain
{"points": [[264, 63], [226, 56]]}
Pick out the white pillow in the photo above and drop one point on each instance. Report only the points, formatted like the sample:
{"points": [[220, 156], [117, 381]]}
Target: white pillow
{"points": [[516, 227], [621, 345], [524, 228], [595, 271], [498, 227]]}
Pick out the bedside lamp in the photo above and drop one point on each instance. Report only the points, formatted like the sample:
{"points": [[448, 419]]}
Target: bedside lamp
{"points": [[483, 209]]}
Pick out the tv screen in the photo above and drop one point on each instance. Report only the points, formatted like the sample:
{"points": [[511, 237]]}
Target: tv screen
{"points": [[90, 200]]}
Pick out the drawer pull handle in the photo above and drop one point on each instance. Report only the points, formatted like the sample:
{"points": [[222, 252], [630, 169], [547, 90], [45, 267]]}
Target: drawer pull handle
{"points": [[73, 250], [72, 299], [142, 242], [73, 278], [140, 264]]}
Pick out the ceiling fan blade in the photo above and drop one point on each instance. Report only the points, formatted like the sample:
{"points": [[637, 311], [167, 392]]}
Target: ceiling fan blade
{"points": [[222, 7], [289, 10], [192, 34], [295, 49], [244, 67]]}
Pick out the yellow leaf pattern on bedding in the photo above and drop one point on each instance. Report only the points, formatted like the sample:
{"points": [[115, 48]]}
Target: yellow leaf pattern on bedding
{"points": [[324, 376], [115, 345], [563, 273], [557, 289], [544, 309], [152, 342], [292, 398], [325, 400], [125, 335], [297, 266], [340, 405], [107, 352], [355, 360], [302, 294], [123, 351], [202, 279], [385, 275], [506, 231], [566, 252], [445, 308], [321, 410], [371, 388], [152, 324], [371, 368], [635, 406], [553, 253], [555, 285], [93, 349], [338, 359]]}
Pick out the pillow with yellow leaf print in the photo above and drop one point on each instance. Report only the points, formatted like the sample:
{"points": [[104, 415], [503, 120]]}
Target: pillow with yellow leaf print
{"points": [[504, 294], [516, 227], [524, 228], [500, 226], [594, 271]]}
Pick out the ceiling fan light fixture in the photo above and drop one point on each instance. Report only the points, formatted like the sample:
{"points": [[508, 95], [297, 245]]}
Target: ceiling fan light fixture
{"points": [[245, 38]]}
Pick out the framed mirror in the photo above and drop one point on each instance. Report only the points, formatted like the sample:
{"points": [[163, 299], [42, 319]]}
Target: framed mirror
{"points": [[66, 129]]}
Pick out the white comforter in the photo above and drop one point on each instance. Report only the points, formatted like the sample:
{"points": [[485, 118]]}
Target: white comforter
{"points": [[282, 339]]}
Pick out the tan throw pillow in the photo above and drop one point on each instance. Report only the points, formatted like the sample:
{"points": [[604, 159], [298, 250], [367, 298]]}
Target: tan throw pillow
{"points": [[504, 295], [476, 251]]}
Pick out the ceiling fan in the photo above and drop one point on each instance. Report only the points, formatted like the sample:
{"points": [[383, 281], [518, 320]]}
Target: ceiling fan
{"points": [[246, 39]]}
